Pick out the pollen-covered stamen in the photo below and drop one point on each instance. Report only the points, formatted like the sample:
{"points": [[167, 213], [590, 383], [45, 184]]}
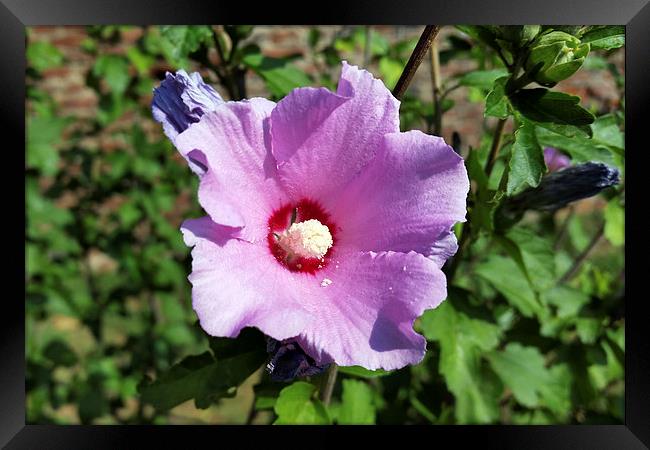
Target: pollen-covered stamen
{"points": [[302, 236], [308, 239]]}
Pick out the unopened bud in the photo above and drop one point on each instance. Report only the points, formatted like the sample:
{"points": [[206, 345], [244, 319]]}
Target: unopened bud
{"points": [[554, 57], [288, 361], [558, 189]]}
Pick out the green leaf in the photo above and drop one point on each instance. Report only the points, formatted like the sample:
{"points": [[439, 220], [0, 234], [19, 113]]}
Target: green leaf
{"points": [[43, 55], [485, 201], [203, 378], [296, 406], [114, 70], [487, 34], [605, 37], [361, 372], [463, 340], [186, 39], [357, 406], [608, 132], [567, 299], [555, 110], [615, 222], [280, 75], [390, 70], [378, 43], [249, 340], [60, 353], [483, 79], [476, 171], [588, 329], [527, 161], [538, 256], [43, 216], [141, 61], [580, 148], [513, 250], [522, 370], [92, 404], [505, 276], [496, 102], [43, 138], [129, 214], [555, 393]]}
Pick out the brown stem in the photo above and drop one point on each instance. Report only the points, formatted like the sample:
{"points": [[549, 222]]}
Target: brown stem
{"points": [[421, 48], [328, 386], [496, 145], [583, 256], [227, 75]]}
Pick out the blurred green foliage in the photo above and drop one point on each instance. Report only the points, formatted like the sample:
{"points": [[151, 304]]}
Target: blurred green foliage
{"points": [[110, 328]]}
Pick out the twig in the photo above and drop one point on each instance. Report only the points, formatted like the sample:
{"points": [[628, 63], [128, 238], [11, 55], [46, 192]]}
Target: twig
{"points": [[421, 48], [328, 386], [449, 90], [366, 48], [583, 256], [564, 227], [496, 144], [503, 59], [227, 77]]}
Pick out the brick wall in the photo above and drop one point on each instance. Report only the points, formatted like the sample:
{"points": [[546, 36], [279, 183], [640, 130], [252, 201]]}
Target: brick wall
{"points": [[67, 84]]}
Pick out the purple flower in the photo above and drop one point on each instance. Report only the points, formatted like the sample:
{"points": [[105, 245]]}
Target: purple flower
{"points": [[181, 100], [326, 225], [555, 160]]}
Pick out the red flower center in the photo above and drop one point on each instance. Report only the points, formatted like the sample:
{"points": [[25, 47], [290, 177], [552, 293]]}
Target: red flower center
{"points": [[281, 222]]}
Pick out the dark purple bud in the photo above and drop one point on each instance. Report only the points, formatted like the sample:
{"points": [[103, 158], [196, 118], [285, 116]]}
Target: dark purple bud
{"points": [[558, 189], [288, 361], [181, 100]]}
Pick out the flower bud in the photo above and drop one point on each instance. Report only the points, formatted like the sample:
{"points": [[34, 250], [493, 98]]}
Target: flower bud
{"points": [[555, 56], [558, 189], [288, 361], [519, 34], [181, 100]]}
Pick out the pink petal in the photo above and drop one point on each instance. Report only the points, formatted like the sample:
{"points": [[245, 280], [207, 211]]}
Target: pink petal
{"points": [[230, 150], [321, 140], [195, 230], [236, 284], [407, 199], [364, 309]]}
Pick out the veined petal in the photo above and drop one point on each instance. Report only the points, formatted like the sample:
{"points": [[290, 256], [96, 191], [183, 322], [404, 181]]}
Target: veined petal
{"points": [[236, 284], [322, 139], [366, 307], [230, 150], [407, 199]]}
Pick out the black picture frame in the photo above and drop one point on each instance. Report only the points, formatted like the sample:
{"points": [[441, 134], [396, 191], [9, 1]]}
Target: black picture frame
{"points": [[15, 15]]}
